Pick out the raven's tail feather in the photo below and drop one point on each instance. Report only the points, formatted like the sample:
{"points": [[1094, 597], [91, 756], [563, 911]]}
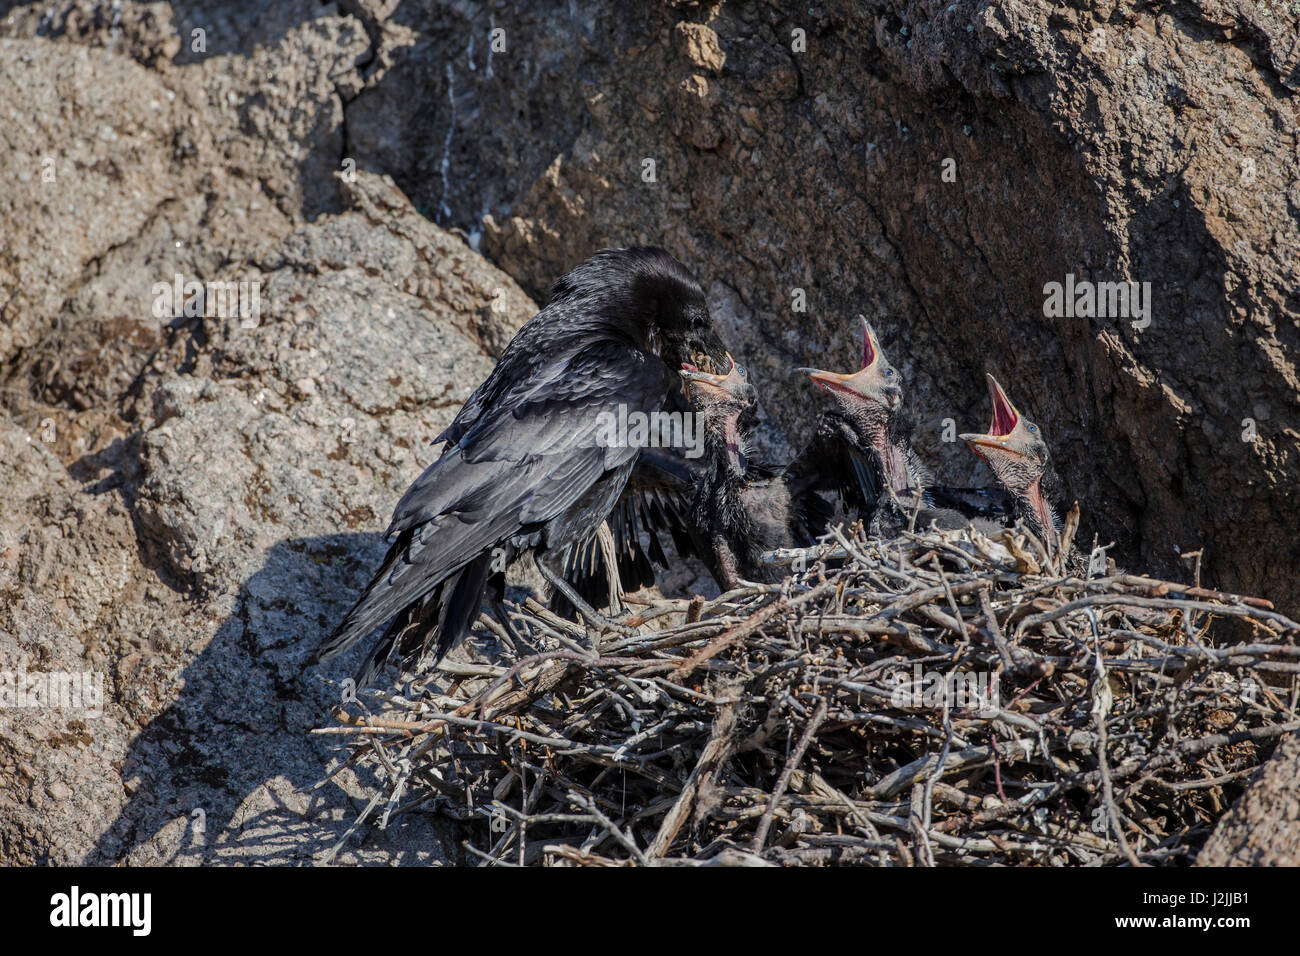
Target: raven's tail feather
{"points": [[440, 619], [461, 609]]}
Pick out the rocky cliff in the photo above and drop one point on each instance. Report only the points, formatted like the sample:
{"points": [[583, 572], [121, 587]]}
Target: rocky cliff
{"points": [[190, 500]]}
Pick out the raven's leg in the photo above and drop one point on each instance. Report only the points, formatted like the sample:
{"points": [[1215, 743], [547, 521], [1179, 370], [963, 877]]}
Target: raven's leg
{"points": [[497, 602], [517, 640], [729, 577], [593, 617]]}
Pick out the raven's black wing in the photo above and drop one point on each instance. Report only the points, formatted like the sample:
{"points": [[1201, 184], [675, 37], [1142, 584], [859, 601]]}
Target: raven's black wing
{"points": [[972, 502], [830, 465], [523, 461], [655, 501]]}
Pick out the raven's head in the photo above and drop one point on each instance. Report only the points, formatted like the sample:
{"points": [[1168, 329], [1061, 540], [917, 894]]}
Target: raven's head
{"points": [[723, 401], [877, 382], [647, 295], [1014, 448], [680, 329], [684, 333], [727, 392], [869, 397]]}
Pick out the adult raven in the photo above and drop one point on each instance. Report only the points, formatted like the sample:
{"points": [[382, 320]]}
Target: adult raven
{"points": [[530, 462]]}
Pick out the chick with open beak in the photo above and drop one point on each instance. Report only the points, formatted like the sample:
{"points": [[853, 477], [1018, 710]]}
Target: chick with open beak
{"points": [[870, 394], [743, 509], [865, 438], [730, 388], [1014, 449], [721, 400]]}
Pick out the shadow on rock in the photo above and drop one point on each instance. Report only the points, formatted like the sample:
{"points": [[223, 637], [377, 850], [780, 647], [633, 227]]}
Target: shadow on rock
{"points": [[223, 774]]}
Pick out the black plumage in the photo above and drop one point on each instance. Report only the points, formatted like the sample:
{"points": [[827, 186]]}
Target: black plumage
{"points": [[722, 507], [860, 455], [835, 470], [741, 507], [654, 506], [528, 463]]}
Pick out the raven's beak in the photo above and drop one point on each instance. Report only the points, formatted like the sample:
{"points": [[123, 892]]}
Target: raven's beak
{"points": [[1007, 433], [706, 351], [723, 386], [877, 381]]}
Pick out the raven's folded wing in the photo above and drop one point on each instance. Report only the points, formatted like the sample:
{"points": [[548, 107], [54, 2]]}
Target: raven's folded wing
{"points": [[520, 465], [829, 465], [973, 502]]}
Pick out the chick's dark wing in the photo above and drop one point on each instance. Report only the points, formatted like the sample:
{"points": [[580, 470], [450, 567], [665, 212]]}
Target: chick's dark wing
{"points": [[655, 501]]}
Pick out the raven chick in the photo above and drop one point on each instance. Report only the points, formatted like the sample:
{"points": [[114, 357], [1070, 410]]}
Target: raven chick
{"points": [[742, 507], [1013, 447]]}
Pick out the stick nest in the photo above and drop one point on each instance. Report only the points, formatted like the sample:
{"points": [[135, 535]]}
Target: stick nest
{"points": [[928, 700]]}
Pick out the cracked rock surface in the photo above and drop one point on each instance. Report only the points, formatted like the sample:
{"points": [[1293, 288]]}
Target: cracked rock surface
{"points": [[187, 503]]}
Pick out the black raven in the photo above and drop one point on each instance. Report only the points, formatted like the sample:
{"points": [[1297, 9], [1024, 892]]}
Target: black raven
{"points": [[534, 461]]}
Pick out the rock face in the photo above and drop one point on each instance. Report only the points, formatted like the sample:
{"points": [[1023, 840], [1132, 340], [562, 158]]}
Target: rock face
{"points": [[1263, 829], [204, 556], [189, 501]]}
